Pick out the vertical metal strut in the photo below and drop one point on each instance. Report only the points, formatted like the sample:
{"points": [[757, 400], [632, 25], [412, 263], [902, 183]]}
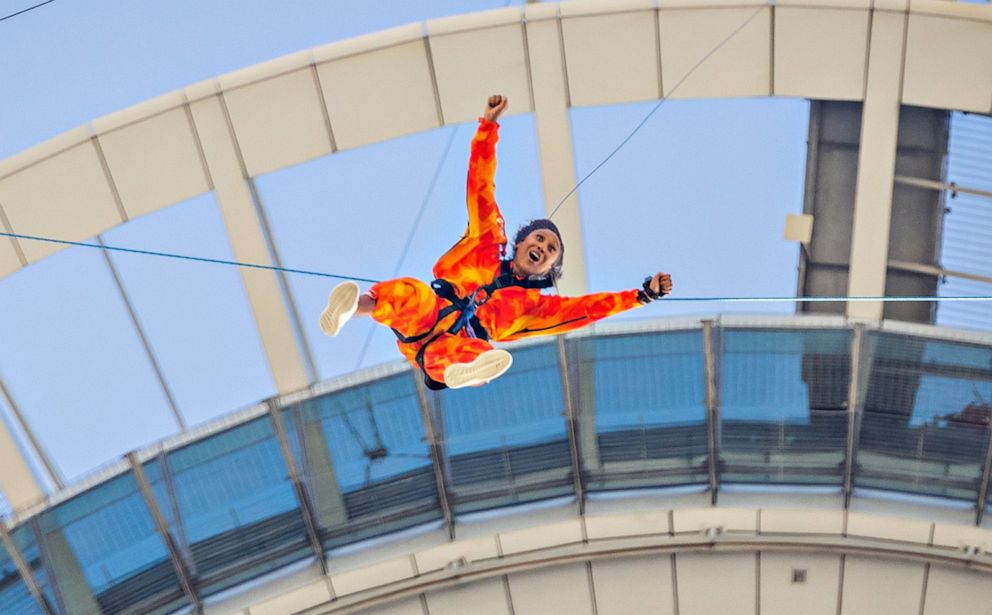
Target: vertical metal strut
{"points": [[854, 411], [571, 425], [182, 572], [302, 497], [23, 569], [437, 453], [983, 487], [712, 408]]}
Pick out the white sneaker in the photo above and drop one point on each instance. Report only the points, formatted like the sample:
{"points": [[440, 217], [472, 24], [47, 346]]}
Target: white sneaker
{"points": [[341, 306], [487, 366]]}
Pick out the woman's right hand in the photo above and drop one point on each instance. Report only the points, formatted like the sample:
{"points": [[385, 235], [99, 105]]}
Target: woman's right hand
{"points": [[495, 107]]}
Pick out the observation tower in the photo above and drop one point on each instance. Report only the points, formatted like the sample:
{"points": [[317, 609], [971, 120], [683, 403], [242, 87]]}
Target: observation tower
{"points": [[833, 460]]}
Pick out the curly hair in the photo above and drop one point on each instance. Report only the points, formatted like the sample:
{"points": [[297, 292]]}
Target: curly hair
{"points": [[530, 227]]}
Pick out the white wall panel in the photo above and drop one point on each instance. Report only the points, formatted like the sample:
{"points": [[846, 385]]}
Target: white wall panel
{"points": [[66, 197], [636, 586], [481, 598], [959, 536], [729, 519], [716, 583], [279, 122], [802, 521], [953, 592], [947, 62], [155, 162], [364, 92], [352, 581], [566, 532], [891, 528], [611, 58], [468, 71], [817, 595], [439, 557], [555, 590], [612, 526], [820, 52], [875, 587], [740, 68]]}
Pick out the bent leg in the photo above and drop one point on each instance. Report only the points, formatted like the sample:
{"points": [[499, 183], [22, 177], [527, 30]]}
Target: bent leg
{"points": [[406, 304], [450, 349]]}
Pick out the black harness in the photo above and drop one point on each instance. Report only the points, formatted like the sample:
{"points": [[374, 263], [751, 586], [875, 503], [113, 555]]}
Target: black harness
{"points": [[466, 307]]}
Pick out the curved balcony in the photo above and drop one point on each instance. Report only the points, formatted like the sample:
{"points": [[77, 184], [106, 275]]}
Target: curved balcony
{"points": [[787, 402]]}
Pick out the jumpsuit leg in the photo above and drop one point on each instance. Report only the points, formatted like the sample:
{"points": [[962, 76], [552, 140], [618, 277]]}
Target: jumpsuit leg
{"points": [[449, 349], [406, 305]]}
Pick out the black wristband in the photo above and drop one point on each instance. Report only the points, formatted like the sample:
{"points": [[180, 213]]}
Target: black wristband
{"points": [[646, 295]]}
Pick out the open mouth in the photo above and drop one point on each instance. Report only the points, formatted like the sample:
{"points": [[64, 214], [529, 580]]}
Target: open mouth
{"points": [[534, 256]]}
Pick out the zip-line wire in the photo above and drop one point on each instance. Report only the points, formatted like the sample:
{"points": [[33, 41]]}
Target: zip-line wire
{"points": [[727, 299], [201, 259], [30, 8]]}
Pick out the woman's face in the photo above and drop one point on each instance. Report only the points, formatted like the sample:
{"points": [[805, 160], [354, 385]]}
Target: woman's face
{"points": [[536, 254]]}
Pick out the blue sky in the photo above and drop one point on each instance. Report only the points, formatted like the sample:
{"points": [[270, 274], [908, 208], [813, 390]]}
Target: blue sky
{"points": [[701, 191]]}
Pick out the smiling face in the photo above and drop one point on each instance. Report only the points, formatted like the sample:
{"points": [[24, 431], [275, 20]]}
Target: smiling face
{"points": [[536, 254]]}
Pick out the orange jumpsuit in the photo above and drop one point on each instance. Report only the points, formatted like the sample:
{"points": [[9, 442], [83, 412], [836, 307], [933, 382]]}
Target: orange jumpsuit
{"points": [[410, 307]]}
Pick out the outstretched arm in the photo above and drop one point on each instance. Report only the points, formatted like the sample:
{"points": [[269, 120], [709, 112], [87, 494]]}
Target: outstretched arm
{"points": [[483, 214], [554, 314]]}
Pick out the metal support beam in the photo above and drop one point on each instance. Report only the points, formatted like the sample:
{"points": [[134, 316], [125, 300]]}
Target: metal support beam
{"points": [[182, 572], [302, 497], [876, 163], [548, 80], [169, 397], [983, 486], [854, 410], [712, 407], [938, 271], [571, 425], [229, 178], [951, 187], [436, 447], [17, 481], [24, 569]]}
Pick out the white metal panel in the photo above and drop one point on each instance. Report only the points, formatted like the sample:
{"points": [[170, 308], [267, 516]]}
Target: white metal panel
{"points": [[614, 526], [17, 483], [729, 519], [611, 58], [390, 571], [441, 556], [365, 91], [876, 165], [956, 591], [279, 122], [878, 587], [155, 162], [551, 535], [716, 583], [960, 536], [564, 589], [248, 244], [10, 261], [817, 595], [295, 600], [889, 528], [634, 586], [468, 70], [411, 606], [820, 53], [65, 197], [740, 68], [481, 598], [947, 63], [802, 521], [554, 140]]}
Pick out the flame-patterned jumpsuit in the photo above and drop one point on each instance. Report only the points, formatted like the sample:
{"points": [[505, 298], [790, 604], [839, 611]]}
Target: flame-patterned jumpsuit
{"points": [[411, 307]]}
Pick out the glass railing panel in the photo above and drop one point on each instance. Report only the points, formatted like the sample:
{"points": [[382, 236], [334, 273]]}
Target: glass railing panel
{"points": [[105, 554], [783, 405], [230, 505], [926, 416], [506, 441], [15, 599], [365, 459], [640, 402]]}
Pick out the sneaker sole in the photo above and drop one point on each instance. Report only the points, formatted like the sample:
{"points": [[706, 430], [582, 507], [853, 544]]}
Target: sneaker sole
{"points": [[341, 306], [487, 366]]}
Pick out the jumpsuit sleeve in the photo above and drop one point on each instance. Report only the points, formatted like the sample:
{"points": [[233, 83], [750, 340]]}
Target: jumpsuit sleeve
{"points": [[554, 314], [483, 214]]}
